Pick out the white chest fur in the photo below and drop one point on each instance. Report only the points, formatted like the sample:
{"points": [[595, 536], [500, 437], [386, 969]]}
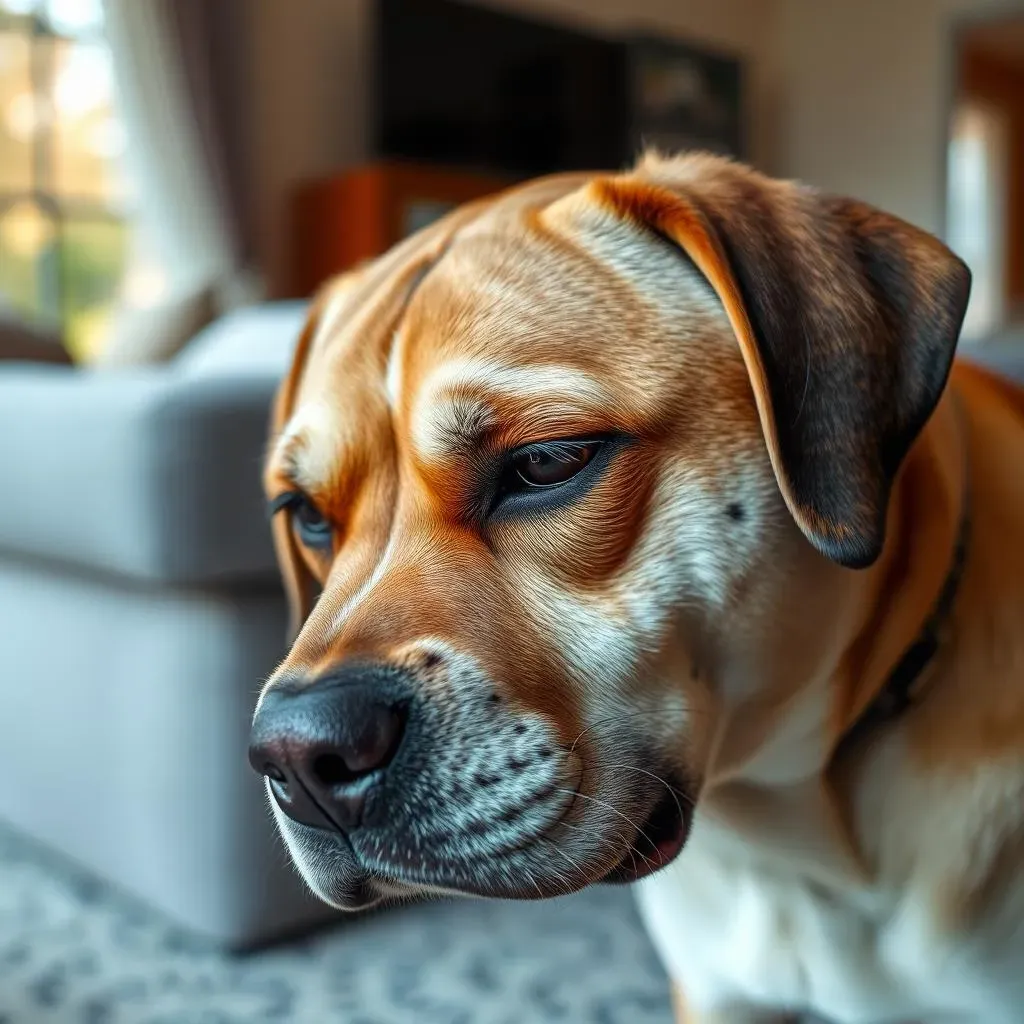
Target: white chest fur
{"points": [[740, 931]]}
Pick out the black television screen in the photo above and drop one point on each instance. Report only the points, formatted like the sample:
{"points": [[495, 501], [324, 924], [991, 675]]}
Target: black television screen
{"points": [[474, 88]]}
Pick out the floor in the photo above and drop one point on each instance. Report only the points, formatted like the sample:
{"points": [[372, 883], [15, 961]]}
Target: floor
{"points": [[73, 951]]}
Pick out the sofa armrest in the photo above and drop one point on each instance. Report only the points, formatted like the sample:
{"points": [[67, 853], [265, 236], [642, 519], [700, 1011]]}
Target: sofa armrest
{"points": [[152, 473]]}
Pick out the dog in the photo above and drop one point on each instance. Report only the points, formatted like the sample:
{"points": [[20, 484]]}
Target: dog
{"points": [[641, 527]]}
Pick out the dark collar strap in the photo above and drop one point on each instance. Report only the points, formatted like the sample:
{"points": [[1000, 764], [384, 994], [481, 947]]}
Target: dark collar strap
{"points": [[902, 686]]}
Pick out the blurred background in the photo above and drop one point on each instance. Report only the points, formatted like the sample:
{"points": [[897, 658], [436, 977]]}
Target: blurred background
{"points": [[176, 179]]}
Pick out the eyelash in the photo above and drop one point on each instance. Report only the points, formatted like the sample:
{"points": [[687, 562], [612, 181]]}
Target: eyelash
{"points": [[319, 536], [563, 452], [513, 488], [556, 449]]}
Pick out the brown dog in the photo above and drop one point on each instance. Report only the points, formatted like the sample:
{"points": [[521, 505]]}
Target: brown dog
{"points": [[640, 508]]}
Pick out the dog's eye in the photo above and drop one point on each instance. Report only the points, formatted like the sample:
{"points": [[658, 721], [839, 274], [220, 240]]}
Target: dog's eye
{"points": [[551, 463], [313, 527]]}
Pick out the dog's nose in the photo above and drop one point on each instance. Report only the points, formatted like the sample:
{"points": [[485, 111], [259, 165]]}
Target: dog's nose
{"points": [[325, 746]]}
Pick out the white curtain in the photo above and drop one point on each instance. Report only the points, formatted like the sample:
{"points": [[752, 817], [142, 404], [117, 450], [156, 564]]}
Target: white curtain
{"points": [[186, 262]]}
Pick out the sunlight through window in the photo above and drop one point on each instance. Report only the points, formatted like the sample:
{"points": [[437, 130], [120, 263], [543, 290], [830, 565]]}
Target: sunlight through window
{"points": [[64, 196], [976, 215]]}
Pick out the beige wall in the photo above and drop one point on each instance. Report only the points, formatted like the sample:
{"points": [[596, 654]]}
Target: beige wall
{"points": [[847, 94], [310, 67], [864, 86]]}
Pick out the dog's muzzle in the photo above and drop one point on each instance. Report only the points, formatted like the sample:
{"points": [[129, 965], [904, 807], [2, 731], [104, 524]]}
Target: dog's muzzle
{"points": [[384, 786]]}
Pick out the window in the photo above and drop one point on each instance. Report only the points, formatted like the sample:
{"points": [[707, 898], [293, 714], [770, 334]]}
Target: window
{"points": [[64, 199]]}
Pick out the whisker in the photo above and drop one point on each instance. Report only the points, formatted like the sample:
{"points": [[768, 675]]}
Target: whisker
{"points": [[609, 841], [617, 844], [615, 810], [632, 851], [625, 715], [529, 875], [561, 852], [676, 793], [567, 886]]}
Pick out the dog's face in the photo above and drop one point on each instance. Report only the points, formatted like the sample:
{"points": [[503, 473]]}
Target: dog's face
{"points": [[545, 466]]}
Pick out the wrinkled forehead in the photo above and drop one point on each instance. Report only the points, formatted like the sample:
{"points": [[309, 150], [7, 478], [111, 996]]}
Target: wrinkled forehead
{"points": [[524, 298], [551, 324], [535, 321], [510, 323]]}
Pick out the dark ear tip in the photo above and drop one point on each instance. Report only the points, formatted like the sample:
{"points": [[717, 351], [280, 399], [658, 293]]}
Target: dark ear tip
{"points": [[853, 546], [860, 555]]}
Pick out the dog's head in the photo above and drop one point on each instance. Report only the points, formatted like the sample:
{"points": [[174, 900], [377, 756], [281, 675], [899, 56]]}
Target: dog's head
{"points": [[559, 482]]}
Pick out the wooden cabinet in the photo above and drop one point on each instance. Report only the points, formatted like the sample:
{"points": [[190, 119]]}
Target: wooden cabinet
{"points": [[340, 221]]}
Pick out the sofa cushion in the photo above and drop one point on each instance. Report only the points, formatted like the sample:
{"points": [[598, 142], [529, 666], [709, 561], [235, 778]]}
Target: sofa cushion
{"points": [[255, 340], [151, 473]]}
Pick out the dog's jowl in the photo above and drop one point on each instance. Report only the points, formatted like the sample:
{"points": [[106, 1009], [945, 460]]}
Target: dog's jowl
{"points": [[641, 528]]}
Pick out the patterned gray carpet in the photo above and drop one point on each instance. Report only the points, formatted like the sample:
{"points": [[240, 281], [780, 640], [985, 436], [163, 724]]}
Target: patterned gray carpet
{"points": [[73, 951]]}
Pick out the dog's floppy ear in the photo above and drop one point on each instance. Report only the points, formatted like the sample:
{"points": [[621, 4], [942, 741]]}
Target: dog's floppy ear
{"points": [[300, 586], [847, 319]]}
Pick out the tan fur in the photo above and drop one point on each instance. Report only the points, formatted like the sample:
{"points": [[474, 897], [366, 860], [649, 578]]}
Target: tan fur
{"points": [[641, 623]]}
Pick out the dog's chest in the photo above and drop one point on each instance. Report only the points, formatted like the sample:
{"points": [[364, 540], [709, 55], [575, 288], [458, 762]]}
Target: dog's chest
{"points": [[735, 930]]}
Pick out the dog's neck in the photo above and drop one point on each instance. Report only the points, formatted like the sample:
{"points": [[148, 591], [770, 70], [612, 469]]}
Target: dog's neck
{"points": [[879, 612], [769, 779], [922, 557]]}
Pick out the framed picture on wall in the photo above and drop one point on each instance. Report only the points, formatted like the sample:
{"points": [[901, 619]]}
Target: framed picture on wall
{"points": [[683, 96]]}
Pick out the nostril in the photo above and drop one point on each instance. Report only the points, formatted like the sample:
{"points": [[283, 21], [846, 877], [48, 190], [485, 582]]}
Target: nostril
{"points": [[325, 750], [370, 747], [331, 770]]}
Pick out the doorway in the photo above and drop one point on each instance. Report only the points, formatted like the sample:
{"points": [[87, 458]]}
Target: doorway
{"points": [[985, 173]]}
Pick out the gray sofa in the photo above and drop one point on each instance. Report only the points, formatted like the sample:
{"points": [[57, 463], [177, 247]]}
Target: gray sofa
{"points": [[140, 610]]}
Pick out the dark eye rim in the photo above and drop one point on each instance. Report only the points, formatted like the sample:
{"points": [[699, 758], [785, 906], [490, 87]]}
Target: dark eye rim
{"points": [[527, 500], [318, 535]]}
